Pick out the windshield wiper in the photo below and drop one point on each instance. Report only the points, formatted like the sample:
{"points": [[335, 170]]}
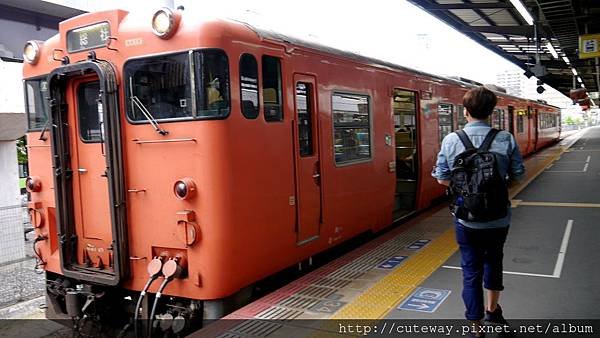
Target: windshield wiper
{"points": [[136, 102], [44, 129]]}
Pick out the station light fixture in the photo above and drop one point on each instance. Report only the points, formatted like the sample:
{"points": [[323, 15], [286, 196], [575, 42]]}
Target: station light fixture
{"points": [[574, 71], [566, 60], [551, 50], [31, 51], [165, 22], [579, 80], [523, 11]]}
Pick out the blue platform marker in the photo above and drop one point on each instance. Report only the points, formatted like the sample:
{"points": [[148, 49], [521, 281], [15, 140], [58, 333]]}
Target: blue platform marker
{"points": [[392, 262], [418, 244], [424, 300]]}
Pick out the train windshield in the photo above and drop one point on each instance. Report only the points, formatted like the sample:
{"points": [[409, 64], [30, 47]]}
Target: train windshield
{"points": [[178, 86], [36, 93]]}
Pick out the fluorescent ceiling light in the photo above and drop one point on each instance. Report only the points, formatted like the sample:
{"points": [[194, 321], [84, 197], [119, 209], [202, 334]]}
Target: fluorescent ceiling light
{"points": [[582, 85], [523, 11], [579, 79], [574, 71], [551, 50], [566, 60]]}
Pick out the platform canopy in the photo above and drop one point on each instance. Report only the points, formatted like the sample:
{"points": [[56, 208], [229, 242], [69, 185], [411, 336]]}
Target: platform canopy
{"points": [[540, 36]]}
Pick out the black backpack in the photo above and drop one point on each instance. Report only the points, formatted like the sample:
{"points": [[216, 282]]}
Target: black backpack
{"points": [[479, 192]]}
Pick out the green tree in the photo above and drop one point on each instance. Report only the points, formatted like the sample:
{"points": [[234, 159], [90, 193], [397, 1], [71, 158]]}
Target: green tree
{"points": [[569, 121], [22, 150]]}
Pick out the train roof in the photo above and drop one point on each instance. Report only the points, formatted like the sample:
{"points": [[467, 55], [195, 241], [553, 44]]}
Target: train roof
{"points": [[267, 34]]}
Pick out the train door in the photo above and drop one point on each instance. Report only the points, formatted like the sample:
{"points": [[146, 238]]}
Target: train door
{"points": [[90, 186], [536, 127], [306, 148], [511, 119], [405, 130], [530, 123]]}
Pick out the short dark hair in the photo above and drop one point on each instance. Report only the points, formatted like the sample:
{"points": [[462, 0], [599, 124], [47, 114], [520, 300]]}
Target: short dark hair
{"points": [[480, 102]]}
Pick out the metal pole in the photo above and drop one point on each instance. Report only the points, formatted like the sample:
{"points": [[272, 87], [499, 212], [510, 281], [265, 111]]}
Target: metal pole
{"points": [[597, 74]]}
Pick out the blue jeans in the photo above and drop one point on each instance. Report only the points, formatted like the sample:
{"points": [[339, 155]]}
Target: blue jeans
{"points": [[481, 252]]}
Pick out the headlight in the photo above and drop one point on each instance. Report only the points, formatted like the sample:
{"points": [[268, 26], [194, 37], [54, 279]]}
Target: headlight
{"points": [[31, 52], [165, 22]]}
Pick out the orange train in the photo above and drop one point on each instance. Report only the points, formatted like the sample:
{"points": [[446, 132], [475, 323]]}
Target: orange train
{"points": [[209, 154]]}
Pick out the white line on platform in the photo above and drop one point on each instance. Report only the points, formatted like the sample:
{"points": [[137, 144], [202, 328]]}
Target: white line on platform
{"points": [[565, 171], [563, 250], [506, 272], [559, 260]]}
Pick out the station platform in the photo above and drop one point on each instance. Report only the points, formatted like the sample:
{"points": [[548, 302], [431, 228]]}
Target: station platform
{"points": [[412, 272]]}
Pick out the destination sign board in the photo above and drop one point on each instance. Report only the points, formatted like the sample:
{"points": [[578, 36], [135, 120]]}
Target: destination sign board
{"points": [[88, 37]]}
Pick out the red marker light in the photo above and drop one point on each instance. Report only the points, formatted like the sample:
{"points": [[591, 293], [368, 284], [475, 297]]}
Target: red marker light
{"points": [[184, 188], [33, 184]]}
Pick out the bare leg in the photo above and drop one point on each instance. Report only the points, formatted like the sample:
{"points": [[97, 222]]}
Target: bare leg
{"points": [[492, 297]]}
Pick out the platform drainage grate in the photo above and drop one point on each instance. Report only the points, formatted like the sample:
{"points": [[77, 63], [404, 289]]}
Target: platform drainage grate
{"points": [[280, 313], [299, 302]]}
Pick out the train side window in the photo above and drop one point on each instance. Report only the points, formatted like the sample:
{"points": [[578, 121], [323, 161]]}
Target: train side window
{"points": [[271, 73], [351, 127], [496, 119], [445, 119], [36, 92], [542, 120], [249, 86], [90, 119], [212, 74], [304, 110], [520, 127]]}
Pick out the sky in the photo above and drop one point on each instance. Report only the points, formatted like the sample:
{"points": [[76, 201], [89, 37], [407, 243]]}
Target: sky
{"points": [[391, 30], [394, 31]]}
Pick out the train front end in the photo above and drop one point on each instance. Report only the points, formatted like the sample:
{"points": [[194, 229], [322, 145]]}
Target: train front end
{"points": [[124, 176]]}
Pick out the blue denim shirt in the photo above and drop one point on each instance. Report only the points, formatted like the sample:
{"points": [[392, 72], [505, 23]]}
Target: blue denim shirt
{"points": [[510, 162]]}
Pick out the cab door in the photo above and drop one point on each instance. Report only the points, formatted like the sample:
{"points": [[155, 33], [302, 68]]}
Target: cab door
{"points": [[536, 127], [306, 156], [91, 206]]}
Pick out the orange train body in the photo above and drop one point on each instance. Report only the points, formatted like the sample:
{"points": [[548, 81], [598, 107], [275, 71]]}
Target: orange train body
{"points": [[268, 194]]}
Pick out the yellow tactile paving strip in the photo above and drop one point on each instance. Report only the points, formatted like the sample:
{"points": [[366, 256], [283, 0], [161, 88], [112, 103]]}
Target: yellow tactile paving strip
{"points": [[378, 300]]}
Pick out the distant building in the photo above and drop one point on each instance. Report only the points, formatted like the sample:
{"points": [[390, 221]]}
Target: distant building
{"points": [[512, 81]]}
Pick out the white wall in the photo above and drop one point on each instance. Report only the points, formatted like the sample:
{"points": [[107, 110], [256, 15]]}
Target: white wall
{"points": [[12, 126], [11, 88]]}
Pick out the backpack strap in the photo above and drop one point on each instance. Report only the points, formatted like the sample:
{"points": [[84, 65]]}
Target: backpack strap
{"points": [[489, 138], [464, 138]]}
